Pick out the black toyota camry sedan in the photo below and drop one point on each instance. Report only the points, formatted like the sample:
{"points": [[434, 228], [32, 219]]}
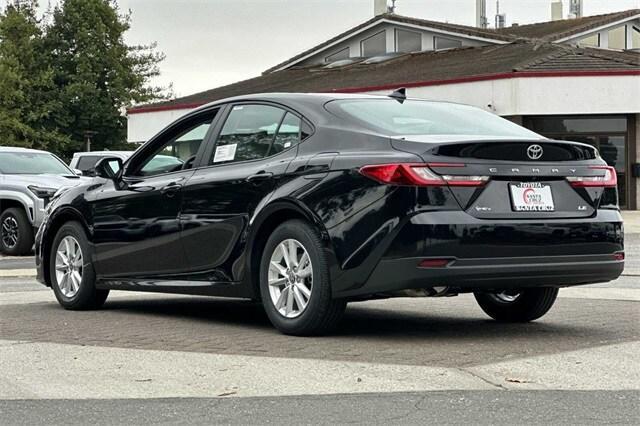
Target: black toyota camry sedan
{"points": [[306, 202]]}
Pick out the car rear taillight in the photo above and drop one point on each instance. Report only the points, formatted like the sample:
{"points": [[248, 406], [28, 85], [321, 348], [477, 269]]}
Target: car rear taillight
{"points": [[609, 179], [416, 174]]}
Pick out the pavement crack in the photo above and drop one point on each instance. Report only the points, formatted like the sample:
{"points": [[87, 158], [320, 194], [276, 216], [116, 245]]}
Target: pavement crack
{"points": [[487, 381]]}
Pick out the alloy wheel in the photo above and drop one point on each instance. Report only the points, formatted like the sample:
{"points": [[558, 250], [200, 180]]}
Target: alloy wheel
{"points": [[290, 278], [69, 265], [10, 232]]}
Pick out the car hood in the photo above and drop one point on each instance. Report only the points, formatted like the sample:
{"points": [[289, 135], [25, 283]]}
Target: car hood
{"points": [[48, 181]]}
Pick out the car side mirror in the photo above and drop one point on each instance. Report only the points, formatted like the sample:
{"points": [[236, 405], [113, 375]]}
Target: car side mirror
{"points": [[109, 168], [78, 172]]}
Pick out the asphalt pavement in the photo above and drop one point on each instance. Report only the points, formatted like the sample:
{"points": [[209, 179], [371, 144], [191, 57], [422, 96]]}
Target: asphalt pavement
{"points": [[152, 358]]}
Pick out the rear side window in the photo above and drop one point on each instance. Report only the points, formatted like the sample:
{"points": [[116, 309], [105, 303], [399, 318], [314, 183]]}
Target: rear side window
{"points": [[252, 132], [288, 134], [87, 162]]}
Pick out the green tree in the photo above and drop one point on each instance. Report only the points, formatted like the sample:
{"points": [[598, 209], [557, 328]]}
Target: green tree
{"points": [[97, 74], [27, 94]]}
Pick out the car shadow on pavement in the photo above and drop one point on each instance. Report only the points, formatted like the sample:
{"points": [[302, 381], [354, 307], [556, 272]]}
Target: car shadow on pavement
{"points": [[435, 332], [427, 332]]}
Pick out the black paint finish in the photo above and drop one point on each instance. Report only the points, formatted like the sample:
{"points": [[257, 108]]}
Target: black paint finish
{"points": [[199, 231]]}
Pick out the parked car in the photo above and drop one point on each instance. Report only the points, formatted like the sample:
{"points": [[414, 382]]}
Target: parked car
{"points": [[310, 201], [86, 162], [28, 180]]}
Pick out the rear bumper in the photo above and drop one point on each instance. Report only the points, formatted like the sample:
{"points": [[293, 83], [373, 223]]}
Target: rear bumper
{"points": [[485, 254], [497, 273]]}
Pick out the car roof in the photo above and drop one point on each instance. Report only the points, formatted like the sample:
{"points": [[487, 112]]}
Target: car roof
{"points": [[317, 99], [20, 149], [103, 153]]}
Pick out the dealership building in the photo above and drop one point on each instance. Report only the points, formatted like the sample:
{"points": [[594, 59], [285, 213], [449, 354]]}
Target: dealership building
{"points": [[572, 79]]}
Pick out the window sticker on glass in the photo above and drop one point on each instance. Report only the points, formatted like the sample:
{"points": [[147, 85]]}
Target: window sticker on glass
{"points": [[225, 153], [238, 108]]}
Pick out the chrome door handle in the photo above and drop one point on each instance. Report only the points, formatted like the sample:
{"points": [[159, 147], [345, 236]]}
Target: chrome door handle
{"points": [[260, 177]]}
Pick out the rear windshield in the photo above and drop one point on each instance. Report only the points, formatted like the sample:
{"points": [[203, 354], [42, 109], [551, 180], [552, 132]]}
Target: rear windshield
{"points": [[31, 163], [415, 117]]}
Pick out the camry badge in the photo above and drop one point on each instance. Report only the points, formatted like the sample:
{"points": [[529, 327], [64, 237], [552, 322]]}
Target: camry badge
{"points": [[534, 152]]}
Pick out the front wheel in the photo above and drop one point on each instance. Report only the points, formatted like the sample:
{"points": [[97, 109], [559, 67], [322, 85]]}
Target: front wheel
{"points": [[72, 276], [520, 305], [295, 284], [17, 232]]}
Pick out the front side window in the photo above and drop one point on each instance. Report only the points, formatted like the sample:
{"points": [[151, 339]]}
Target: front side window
{"points": [[179, 150], [252, 132], [436, 119], [87, 162], [32, 163], [374, 45]]}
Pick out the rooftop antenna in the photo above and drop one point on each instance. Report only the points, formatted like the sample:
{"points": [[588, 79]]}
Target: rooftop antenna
{"points": [[481, 14], [392, 8], [501, 18], [575, 8], [399, 95]]}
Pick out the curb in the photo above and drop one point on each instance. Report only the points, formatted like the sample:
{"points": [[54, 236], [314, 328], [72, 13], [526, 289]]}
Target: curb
{"points": [[17, 273]]}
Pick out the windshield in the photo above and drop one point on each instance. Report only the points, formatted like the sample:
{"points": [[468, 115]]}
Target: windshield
{"points": [[31, 163], [415, 117]]}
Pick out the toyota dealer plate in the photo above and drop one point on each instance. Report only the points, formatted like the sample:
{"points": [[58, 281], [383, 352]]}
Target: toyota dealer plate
{"points": [[531, 197]]}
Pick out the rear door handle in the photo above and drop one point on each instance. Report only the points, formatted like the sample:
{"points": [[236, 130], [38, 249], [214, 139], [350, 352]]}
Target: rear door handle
{"points": [[171, 189], [260, 177]]}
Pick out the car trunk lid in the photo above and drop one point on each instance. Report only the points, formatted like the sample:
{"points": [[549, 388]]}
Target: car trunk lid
{"points": [[528, 179]]}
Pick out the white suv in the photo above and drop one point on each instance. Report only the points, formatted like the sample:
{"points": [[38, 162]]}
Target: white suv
{"points": [[28, 180]]}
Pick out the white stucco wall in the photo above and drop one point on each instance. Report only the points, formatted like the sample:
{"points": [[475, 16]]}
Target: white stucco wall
{"points": [[542, 95], [141, 127]]}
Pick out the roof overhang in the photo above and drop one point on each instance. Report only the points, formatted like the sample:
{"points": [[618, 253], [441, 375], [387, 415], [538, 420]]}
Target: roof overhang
{"points": [[392, 86], [596, 30], [374, 24]]}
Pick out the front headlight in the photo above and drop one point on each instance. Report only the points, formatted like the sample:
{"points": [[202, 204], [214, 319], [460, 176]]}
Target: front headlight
{"points": [[42, 192]]}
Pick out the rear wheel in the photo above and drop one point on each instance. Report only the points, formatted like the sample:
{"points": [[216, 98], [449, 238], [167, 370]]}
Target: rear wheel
{"points": [[17, 232], [72, 276], [294, 282], [521, 305]]}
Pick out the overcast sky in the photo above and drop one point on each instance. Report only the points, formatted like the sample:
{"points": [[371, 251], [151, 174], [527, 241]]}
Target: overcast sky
{"points": [[209, 43]]}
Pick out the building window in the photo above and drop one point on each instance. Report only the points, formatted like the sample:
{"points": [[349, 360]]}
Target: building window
{"points": [[440, 43], [609, 134], [591, 41], [374, 45], [618, 38], [338, 56], [408, 41], [635, 38]]}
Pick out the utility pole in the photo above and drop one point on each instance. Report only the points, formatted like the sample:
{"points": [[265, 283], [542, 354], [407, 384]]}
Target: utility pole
{"points": [[89, 134]]}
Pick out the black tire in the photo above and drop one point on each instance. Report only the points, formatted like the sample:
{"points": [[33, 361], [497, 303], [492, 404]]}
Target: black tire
{"points": [[22, 229], [322, 312], [88, 296], [531, 304]]}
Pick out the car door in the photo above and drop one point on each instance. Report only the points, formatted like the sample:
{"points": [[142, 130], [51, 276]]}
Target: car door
{"points": [[137, 220], [254, 145]]}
